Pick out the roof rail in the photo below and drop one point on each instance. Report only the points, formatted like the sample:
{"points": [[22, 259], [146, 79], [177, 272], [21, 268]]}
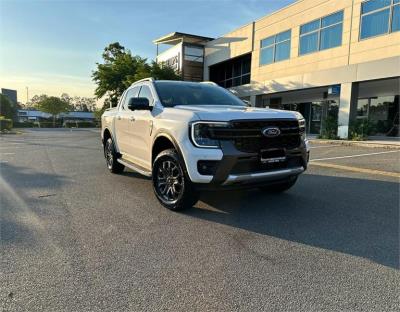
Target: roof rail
{"points": [[209, 82], [151, 79]]}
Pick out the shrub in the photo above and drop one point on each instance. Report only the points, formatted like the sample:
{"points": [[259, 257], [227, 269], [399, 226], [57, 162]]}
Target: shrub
{"points": [[5, 124], [329, 131], [360, 129]]}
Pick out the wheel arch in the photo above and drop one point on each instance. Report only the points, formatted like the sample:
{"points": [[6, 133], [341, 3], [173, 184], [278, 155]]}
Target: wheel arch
{"points": [[163, 141]]}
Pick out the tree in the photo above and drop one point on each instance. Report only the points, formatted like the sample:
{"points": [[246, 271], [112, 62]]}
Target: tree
{"points": [[54, 106], [7, 108], [120, 69]]}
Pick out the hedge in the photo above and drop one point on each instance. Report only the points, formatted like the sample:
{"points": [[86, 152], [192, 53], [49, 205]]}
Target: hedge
{"points": [[6, 124], [47, 124], [79, 124], [25, 124]]}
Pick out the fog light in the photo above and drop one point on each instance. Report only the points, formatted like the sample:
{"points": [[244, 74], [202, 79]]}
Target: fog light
{"points": [[207, 167]]}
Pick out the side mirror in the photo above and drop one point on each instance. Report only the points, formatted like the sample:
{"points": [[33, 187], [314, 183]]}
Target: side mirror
{"points": [[248, 103], [139, 103]]}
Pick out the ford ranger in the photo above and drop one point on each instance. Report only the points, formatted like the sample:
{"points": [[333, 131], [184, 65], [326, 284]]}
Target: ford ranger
{"points": [[191, 136]]}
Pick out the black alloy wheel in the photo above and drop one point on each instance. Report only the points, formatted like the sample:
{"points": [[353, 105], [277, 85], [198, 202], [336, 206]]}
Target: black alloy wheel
{"points": [[171, 185]]}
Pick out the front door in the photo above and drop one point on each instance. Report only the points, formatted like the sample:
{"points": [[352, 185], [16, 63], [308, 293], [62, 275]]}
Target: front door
{"points": [[123, 123]]}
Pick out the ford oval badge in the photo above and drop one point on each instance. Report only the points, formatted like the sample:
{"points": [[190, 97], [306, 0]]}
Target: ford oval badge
{"points": [[271, 132]]}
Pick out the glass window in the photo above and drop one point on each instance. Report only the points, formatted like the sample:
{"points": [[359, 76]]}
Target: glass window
{"points": [[321, 34], [283, 36], [275, 48], [267, 42], [376, 16], [146, 93], [267, 56], [230, 73], [282, 51], [173, 93], [194, 54], [396, 18], [130, 94], [310, 27], [362, 108], [309, 43], [332, 19], [373, 5], [375, 24], [331, 37]]}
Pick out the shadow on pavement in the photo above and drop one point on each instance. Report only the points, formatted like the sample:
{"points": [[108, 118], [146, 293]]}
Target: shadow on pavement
{"points": [[353, 216], [20, 209]]}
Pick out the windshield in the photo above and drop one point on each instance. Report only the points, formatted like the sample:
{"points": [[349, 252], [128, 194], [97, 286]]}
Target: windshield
{"points": [[173, 93]]}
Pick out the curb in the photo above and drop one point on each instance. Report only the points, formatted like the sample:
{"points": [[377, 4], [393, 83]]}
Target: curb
{"points": [[388, 145]]}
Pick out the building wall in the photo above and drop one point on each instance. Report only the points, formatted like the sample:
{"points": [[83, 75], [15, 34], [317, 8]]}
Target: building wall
{"points": [[233, 44], [174, 51], [354, 60]]}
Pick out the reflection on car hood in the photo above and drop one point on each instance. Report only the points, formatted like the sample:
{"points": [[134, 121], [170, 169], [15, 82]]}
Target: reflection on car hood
{"points": [[230, 112]]}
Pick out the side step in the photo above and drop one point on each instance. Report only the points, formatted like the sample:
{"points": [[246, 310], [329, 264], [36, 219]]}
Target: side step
{"points": [[134, 167]]}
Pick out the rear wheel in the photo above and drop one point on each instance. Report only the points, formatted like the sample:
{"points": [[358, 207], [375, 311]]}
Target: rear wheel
{"points": [[111, 157], [171, 184], [279, 187]]}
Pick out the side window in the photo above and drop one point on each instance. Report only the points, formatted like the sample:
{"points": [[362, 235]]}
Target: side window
{"points": [[146, 93], [130, 94]]}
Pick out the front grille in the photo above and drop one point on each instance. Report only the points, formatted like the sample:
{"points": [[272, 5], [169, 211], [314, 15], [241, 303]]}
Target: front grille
{"points": [[247, 135]]}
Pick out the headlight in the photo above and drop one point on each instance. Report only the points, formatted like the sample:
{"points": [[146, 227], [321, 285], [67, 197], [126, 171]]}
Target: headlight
{"points": [[302, 128], [202, 133]]}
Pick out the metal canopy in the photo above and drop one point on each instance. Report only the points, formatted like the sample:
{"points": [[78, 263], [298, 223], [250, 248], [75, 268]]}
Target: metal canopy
{"points": [[177, 37]]}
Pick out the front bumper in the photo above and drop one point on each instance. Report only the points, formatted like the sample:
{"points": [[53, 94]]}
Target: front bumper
{"points": [[238, 169], [262, 177]]}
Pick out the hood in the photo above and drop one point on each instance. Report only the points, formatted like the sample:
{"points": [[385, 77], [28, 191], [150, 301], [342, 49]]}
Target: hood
{"points": [[228, 112]]}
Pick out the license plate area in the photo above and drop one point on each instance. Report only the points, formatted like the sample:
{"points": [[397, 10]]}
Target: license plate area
{"points": [[273, 156]]}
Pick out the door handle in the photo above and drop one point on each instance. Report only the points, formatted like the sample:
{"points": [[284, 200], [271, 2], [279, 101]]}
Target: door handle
{"points": [[132, 118]]}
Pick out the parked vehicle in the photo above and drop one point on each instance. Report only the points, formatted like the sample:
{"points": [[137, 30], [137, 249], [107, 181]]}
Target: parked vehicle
{"points": [[190, 136]]}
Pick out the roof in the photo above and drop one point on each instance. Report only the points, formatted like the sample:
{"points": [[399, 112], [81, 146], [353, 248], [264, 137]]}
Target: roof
{"points": [[176, 37], [77, 115]]}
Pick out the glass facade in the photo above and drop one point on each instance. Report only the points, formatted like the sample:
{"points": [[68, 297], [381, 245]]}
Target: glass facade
{"points": [[379, 17], [275, 48], [380, 114], [319, 109], [321, 34], [232, 73]]}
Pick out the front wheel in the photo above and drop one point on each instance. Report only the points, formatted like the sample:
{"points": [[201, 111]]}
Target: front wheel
{"points": [[171, 185], [279, 187]]}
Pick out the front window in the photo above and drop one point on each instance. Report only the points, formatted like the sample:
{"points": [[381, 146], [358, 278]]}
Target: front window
{"points": [[172, 93], [193, 54], [379, 17], [321, 34], [275, 48]]}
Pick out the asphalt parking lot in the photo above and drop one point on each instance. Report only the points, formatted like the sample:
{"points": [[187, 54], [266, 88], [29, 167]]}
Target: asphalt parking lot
{"points": [[76, 238]]}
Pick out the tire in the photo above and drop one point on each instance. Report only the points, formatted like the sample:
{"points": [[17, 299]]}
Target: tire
{"points": [[111, 157], [279, 187], [171, 184]]}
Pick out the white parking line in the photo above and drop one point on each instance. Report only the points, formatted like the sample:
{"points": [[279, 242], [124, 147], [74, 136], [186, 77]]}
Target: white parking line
{"points": [[352, 156], [7, 153], [332, 145]]}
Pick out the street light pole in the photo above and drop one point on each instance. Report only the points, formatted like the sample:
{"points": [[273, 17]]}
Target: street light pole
{"points": [[27, 95]]}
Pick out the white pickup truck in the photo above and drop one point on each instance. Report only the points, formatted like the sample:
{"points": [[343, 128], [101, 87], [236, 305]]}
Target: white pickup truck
{"points": [[190, 136]]}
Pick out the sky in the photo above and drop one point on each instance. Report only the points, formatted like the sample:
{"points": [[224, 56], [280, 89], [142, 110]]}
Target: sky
{"points": [[52, 46]]}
